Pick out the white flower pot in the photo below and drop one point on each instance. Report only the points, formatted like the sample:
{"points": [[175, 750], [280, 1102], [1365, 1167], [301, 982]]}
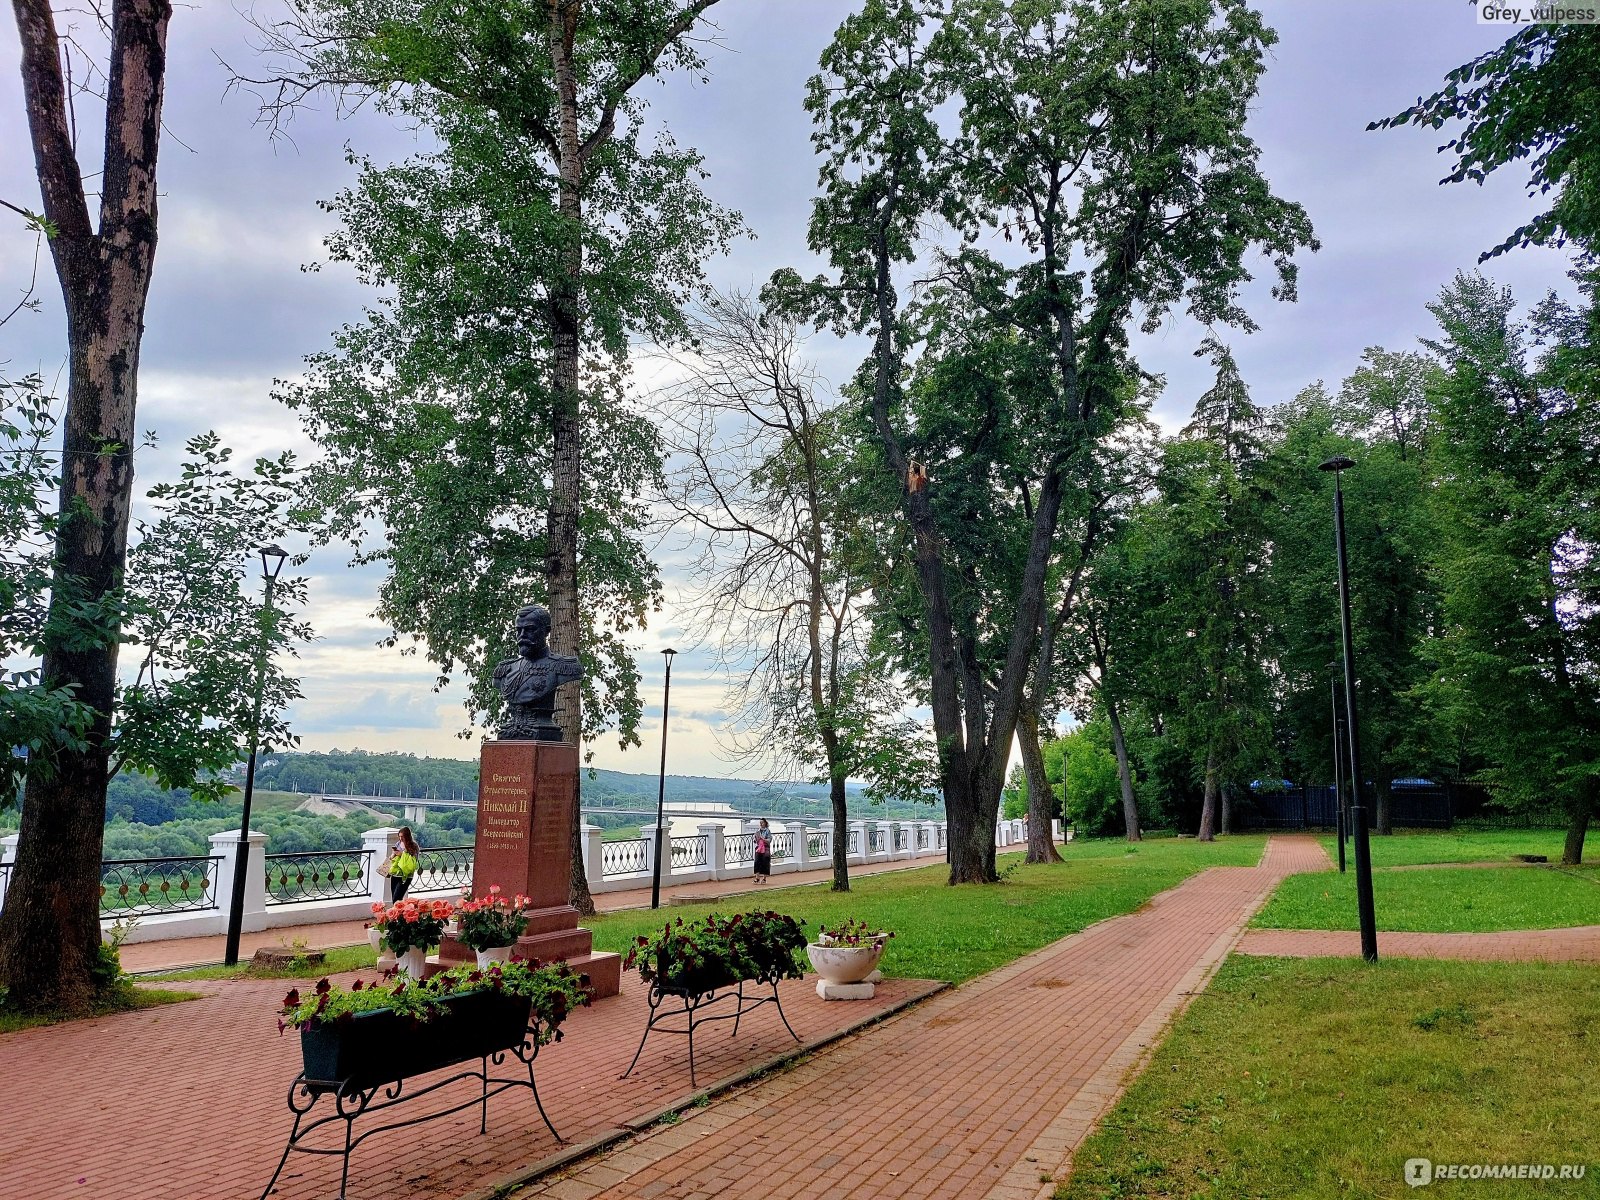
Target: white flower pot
{"points": [[375, 939], [413, 962], [844, 964], [494, 954]]}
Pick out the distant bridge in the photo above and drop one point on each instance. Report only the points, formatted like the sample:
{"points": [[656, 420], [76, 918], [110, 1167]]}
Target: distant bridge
{"points": [[415, 808]]}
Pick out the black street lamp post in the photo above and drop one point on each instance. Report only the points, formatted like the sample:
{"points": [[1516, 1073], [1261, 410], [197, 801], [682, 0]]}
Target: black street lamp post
{"points": [[272, 558], [1352, 733], [661, 791], [1338, 767]]}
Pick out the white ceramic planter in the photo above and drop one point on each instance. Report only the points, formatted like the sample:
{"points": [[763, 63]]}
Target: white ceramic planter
{"points": [[413, 962], [494, 954], [375, 939], [844, 964]]}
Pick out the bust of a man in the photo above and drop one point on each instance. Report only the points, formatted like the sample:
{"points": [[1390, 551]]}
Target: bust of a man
{"points": [[529, 681]]}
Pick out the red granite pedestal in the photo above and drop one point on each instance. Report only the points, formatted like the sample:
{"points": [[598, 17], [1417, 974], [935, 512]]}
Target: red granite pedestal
{"points": [[526, 791]]}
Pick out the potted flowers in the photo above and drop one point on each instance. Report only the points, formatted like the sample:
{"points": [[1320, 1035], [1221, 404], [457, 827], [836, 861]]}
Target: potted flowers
{"points": [[348, 1036], [697, 957], [492, 924], [410, 927], [846, 955]]}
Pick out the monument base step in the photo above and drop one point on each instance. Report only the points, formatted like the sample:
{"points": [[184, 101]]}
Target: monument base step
{"points": [[604, 971]]}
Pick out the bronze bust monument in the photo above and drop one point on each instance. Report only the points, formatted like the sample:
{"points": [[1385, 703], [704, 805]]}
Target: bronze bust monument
{"points": [[529, 681]]}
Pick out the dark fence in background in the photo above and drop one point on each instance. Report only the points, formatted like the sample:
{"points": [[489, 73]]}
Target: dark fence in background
{"points": [[1412, 806]]}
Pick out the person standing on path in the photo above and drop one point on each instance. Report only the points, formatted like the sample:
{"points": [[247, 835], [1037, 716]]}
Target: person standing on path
{"points": [[763, 868], [401, 866]]}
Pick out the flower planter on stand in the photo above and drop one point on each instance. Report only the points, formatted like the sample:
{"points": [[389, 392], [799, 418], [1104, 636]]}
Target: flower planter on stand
{"points": [[846, 972], [493, 954]]}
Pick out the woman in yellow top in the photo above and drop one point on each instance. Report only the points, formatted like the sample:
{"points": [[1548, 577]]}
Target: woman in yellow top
{"points": [[401, 867]]}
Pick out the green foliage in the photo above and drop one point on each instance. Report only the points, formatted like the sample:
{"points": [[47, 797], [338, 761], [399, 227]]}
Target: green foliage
{"points": [[700, 956], [1089, 773], [1534, 98]]}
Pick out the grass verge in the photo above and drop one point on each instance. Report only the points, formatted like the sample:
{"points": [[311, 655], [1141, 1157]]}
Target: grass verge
{"points": [[1405, 848], [340, 958], [1441, 901], [953, 934], [1319, 1078], [131, 1001]]}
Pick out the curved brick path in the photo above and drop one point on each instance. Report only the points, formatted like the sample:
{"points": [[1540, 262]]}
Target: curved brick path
{"points": [[985, 1090], [1579, 944]]}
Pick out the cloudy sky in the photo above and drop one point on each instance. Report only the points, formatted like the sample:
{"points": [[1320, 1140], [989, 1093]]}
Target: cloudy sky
{"points": [[231, 308]]}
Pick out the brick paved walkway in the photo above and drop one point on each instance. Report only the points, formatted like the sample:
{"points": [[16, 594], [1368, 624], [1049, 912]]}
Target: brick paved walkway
{"points": [[203, 951], [983, 1091], [1579, 944], [188, 1100]]}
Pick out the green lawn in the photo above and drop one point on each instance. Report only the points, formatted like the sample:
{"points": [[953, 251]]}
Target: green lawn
{"points": [[956, 933], [342, 958], [1444, 900], [1319, 1078], [1411, 847]]}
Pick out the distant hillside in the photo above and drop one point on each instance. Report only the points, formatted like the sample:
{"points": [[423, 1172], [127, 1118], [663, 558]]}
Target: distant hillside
{"points": [[359, 773]]}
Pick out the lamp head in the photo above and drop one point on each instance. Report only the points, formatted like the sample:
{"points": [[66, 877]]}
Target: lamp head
{"points": [[1337, 463], [272, 559], [668, 653]]}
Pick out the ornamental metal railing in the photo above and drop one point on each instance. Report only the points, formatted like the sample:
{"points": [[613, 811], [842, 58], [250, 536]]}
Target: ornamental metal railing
{"points": [[922, 837], [880, 840], [940, 837], [782, 846], [693, 851], [818, 845], [319, 875], [900, 841], [853, 844], [624, 858], [131, 887], [740, 848], [443, 868]]}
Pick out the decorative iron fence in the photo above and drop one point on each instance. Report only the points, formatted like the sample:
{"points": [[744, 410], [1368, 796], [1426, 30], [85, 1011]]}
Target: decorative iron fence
{"points": [[939, 837], [5, 878], [131, 887], [441, 868], [853, 844], [880, 840], [899, 838], [922, 837], [692, 851], [740, 848], [623, 858], [324, 875], [1411, 805], [782, 846], [819, 845]]}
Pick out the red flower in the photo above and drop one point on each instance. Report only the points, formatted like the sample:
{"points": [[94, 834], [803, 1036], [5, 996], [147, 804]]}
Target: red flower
{"points": [[292, 1000]]}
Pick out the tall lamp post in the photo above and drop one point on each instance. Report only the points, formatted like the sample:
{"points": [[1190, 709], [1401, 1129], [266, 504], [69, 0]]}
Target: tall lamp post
{"points": [[1352, 733], [661, 790], [272, 558], [1338, 767]]}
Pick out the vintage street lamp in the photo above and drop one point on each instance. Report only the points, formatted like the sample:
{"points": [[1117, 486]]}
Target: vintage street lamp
{"points": [[1352, 733], [661, 791], [272, 559], [1338, 766]]}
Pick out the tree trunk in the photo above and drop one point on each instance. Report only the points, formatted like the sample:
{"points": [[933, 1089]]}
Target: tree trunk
{"points": [[1383, 816], [1130, 808], [1226, 791], [50, 926], [1041, 797], [1208, 809], [971, 830], [1577, 830], [561, 550], [841, 834]]}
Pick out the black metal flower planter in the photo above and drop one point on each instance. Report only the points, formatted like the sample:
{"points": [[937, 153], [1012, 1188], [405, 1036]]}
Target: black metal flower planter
{"points": [[692, 1003], [353, 1061]]}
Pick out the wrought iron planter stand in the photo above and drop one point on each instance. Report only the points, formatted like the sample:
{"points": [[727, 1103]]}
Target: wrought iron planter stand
{"points": [[692, 1003], [358, 1095]]}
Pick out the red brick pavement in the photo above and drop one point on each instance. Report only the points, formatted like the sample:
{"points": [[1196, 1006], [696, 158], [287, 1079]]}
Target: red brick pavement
{"points": [[985, 1090], [1578, 944], [188, 1100], [202, 951]]}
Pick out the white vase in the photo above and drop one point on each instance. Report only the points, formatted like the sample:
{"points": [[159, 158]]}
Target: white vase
{"points": [[375, 939], [413, 962], [844, 964], [494, 954]]}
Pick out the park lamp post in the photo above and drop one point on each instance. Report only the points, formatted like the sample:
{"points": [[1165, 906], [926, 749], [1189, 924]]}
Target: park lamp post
{"points": [[1352, 733], [1338, 769], [661, 790], [272, 559]]}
